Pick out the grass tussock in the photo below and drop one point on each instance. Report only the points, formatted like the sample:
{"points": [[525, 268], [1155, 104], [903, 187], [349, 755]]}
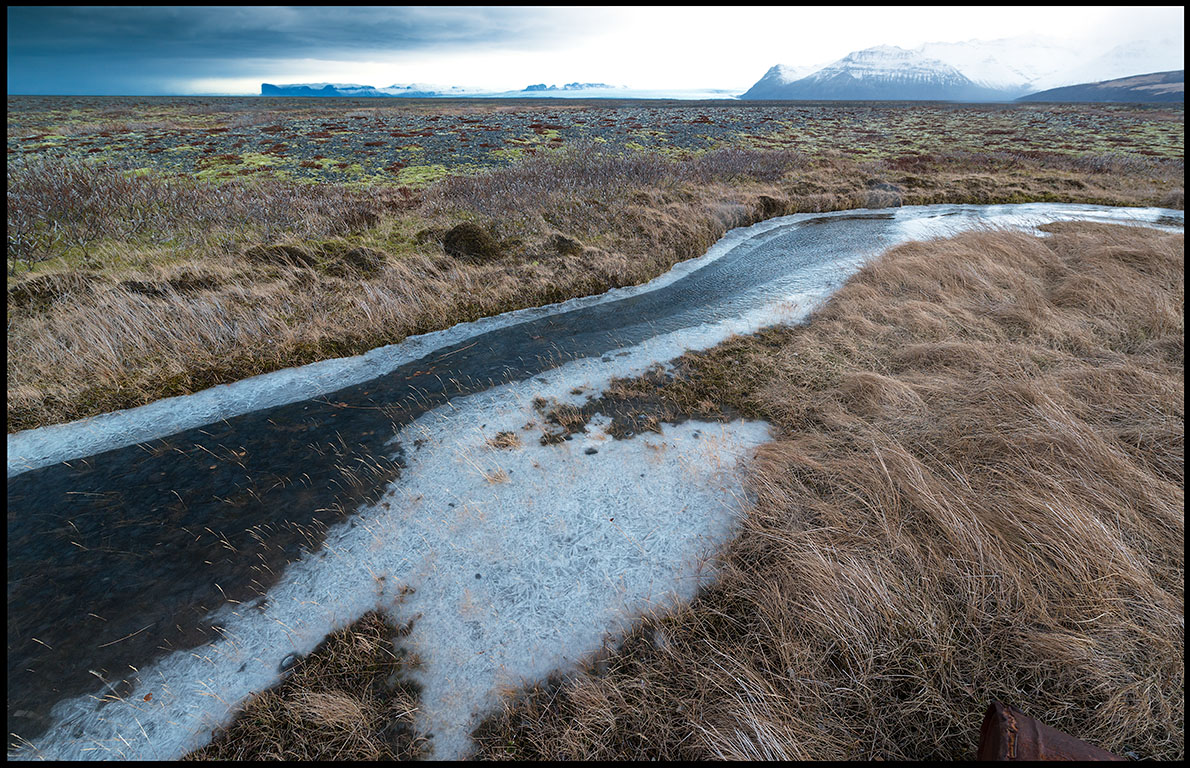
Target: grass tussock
{"points": [[503, 441], [349, 699], [977, 493]]}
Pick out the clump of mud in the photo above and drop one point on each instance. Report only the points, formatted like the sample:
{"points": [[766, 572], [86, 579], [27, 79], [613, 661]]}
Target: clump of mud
{"points": [[634, 406]]}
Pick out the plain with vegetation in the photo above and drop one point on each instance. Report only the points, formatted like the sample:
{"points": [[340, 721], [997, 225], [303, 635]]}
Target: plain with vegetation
{"points": [[976, 486]]}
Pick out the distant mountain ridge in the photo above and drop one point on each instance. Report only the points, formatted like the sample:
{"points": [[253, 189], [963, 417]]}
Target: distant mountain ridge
{"points": [[419, 90], [567, 87], [341, 90], [1153, 87]]}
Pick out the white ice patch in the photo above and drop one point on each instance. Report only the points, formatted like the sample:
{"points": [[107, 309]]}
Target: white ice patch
{"points": [[947, 221], [593, 532]]}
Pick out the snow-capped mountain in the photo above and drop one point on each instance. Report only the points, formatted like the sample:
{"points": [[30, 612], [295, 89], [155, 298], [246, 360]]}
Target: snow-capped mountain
{"points": [[883, 72], [1001, 69]]}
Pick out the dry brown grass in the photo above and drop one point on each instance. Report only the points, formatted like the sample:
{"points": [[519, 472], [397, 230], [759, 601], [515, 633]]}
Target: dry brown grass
{"points": [[977, 493], [164, 294], [505, 441], [349, 699]]}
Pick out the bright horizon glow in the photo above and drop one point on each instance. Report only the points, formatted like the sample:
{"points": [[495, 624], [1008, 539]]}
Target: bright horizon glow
{"points": [[505, 49]]}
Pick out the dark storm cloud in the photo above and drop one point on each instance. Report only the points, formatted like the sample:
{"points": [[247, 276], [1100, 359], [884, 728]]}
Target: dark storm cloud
{"points": [[127, 50]]}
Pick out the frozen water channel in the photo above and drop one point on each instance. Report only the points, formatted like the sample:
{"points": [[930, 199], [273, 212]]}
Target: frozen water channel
{"points": [[182, 550]]}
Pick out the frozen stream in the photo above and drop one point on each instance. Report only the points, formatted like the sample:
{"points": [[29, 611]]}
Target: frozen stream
{"points": [[140, 543]]}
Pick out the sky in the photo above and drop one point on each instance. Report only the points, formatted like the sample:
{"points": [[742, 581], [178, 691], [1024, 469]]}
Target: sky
{"points": [[232, 50]]}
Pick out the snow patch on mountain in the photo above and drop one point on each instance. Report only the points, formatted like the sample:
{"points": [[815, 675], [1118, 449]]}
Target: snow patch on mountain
{"points": [[887, 62]]}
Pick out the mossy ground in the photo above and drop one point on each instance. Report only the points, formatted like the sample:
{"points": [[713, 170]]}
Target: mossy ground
{"points": [[415, 142]]}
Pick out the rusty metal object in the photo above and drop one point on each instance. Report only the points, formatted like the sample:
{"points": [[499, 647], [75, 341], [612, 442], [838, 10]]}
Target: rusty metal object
{"points": [[1009, 734]]}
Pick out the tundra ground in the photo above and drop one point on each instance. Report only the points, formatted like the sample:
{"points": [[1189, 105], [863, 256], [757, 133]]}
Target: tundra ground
{"points": [[977, 490]]}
